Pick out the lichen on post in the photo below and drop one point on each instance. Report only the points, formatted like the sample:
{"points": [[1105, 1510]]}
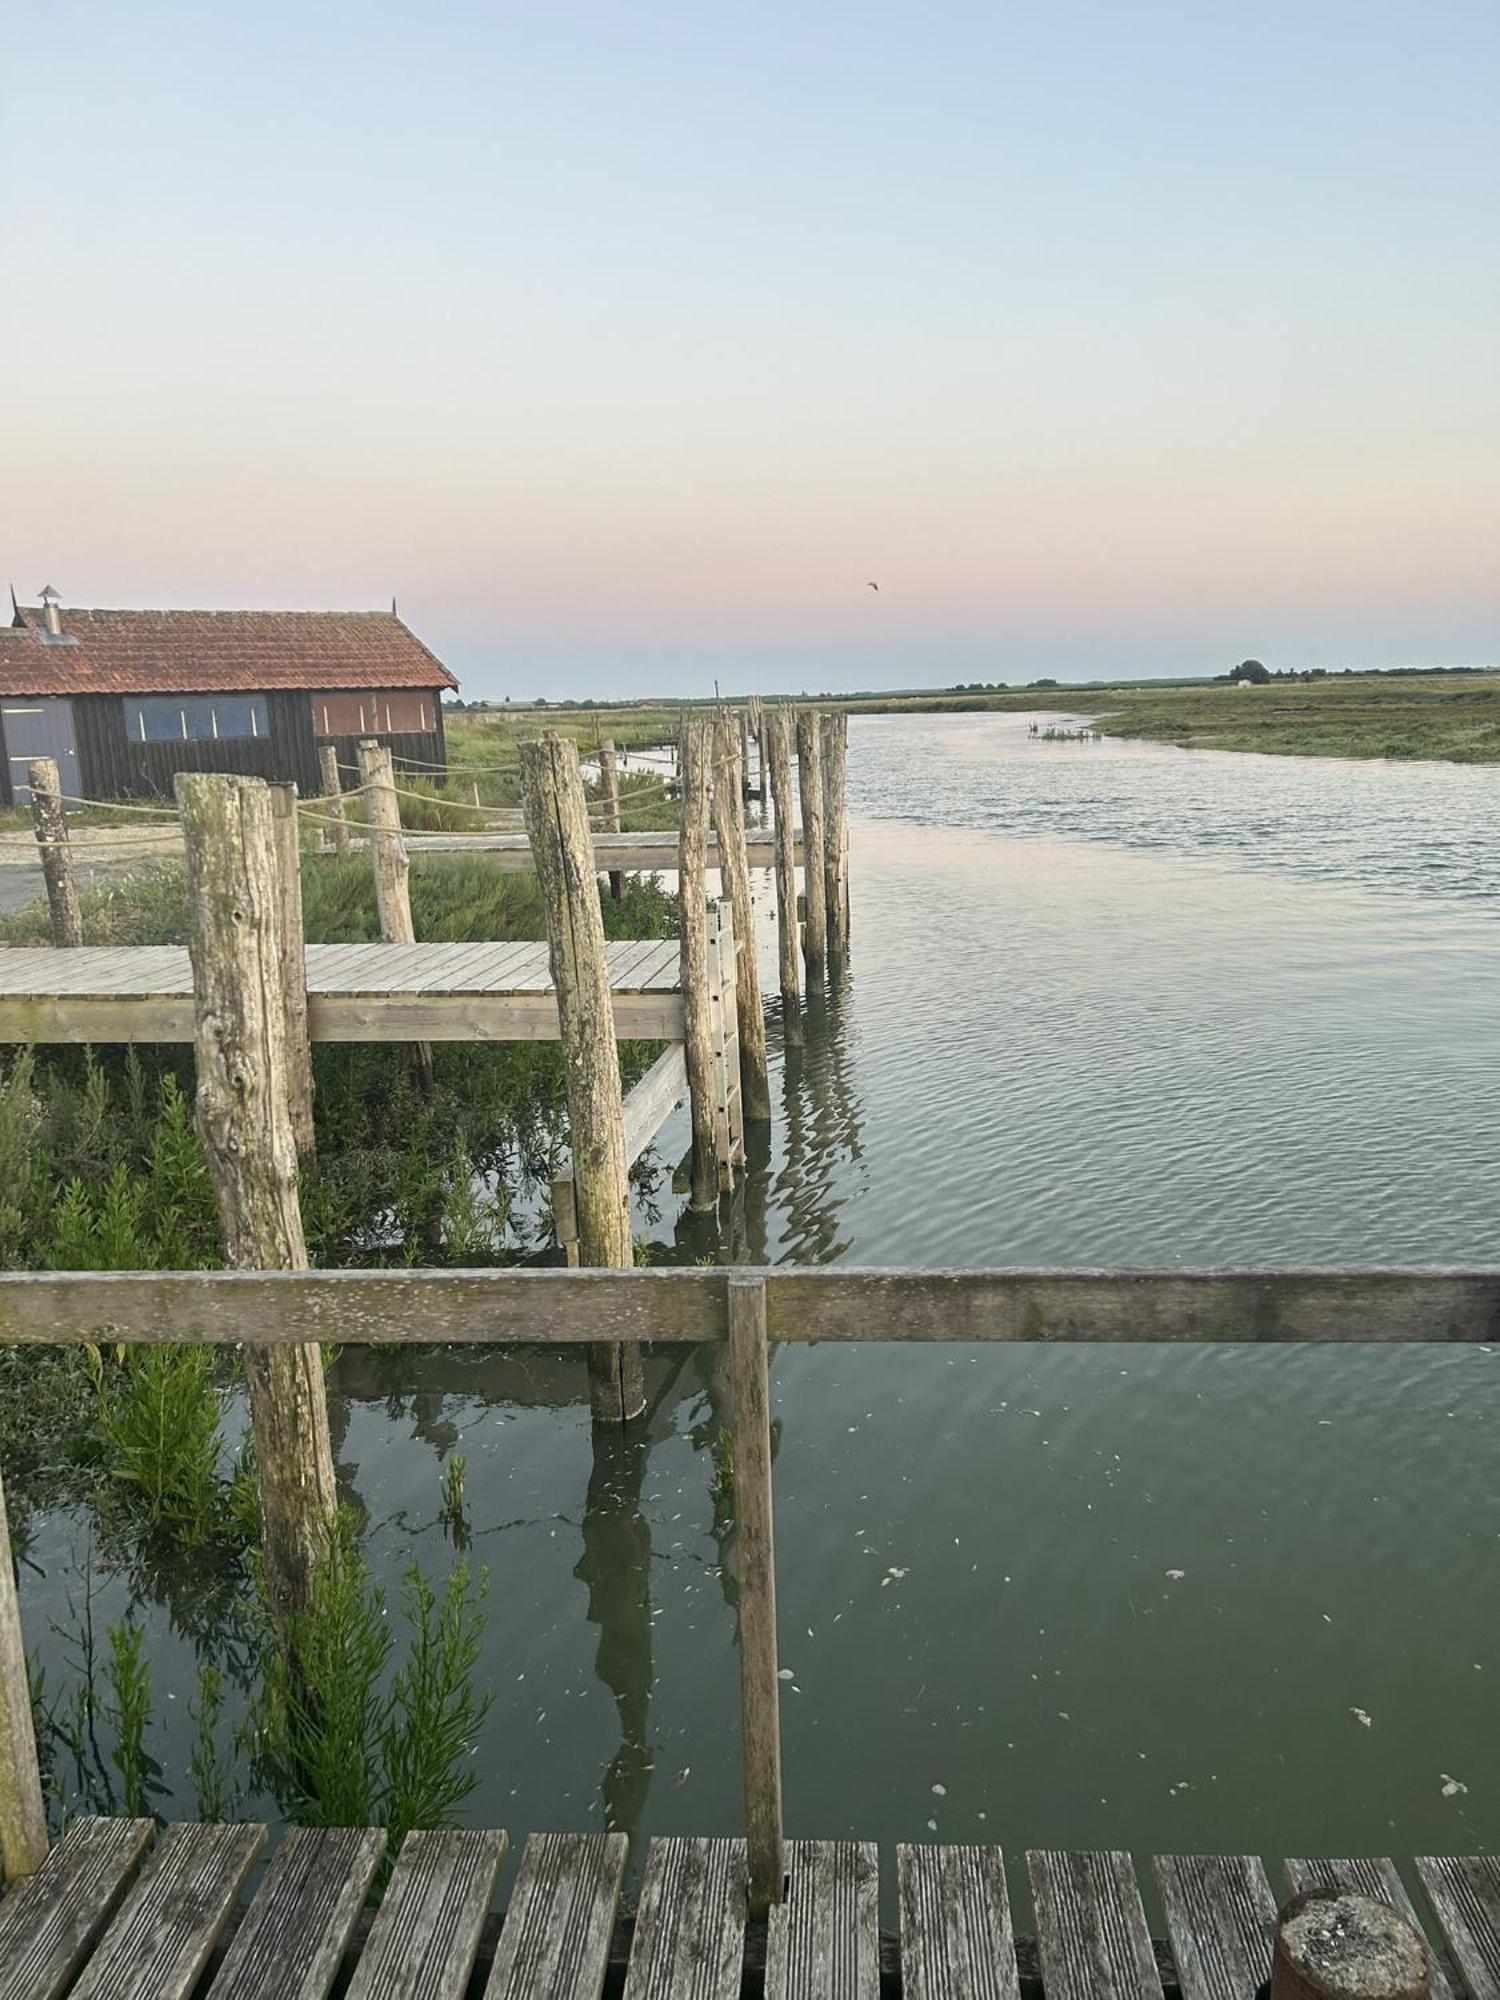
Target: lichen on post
{"points": [[734, 866], [392, 866], [244, 1123], [814, 859], [333, 795], [557, 825], [776, 753], [50, 819], [609, 802], [23, 1819]]}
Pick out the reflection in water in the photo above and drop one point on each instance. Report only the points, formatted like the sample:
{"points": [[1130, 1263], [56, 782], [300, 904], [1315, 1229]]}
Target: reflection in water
{"points": [[616, 1567]]}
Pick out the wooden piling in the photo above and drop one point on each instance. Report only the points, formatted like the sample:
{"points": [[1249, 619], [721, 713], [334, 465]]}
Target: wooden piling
{"points": [[760, 1689], [299, 1070], [244, 1124], [333, 795], [557, 822], [776, 751], [836, 833], [743, 718], [23, 1818], [49, 817], [692, 884], [814, 859], [723, 976], [392, 867], [734, 866], [1340, 1945], [609, 799]]}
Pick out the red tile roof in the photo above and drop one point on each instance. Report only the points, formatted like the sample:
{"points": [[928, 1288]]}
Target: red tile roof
{"points": [[201, 652]]}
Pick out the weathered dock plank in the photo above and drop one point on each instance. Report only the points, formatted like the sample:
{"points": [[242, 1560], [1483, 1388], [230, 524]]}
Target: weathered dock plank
{"points": [[169, 1923], [1464, 1891], [823, 1940], [1380, 1878], [627, 853], [424, 1940], [690, 1922], [688, 1304], [1221, 1917], [555, 1944], [367, 992], [956, 1937], [294, 1935], [49, 1920], [1091, 1927]]}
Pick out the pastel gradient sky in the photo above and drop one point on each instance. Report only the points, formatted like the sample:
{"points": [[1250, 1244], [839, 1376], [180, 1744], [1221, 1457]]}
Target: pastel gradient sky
{"points": [[625, 343]]}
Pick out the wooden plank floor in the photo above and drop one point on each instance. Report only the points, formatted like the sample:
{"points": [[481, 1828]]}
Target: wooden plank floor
{"points": [[356, 992], [80, 1929]]}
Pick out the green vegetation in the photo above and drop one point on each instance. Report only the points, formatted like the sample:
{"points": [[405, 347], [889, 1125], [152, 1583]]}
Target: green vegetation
{"points": [[344, 1742]]}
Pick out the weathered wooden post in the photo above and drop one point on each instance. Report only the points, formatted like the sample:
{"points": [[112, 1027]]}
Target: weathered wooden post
{"points": [[836, 832], [299, 1071], [557, 823], [734, 865], [244, 1123], [1340, 1945], [609, 799], [814, 860], [777, 759], [392, 866], [333, 794], [23, 1818], [723, 979], [744, 725], [51, 822], [692, 885], [760, 1690]]}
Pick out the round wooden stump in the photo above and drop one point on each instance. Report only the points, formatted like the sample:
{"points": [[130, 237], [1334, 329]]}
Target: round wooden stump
{"points": [[1333, 1946]]}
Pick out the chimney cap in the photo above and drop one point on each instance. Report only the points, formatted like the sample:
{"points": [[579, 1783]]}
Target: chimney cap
{"points": [[48, 595]]}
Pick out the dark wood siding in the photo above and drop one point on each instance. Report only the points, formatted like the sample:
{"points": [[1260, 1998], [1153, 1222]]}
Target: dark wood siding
{"points": [[112, 767]]}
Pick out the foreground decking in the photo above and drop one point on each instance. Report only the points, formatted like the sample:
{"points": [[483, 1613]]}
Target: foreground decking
{"points": [[356, 992], [94, 1921]]}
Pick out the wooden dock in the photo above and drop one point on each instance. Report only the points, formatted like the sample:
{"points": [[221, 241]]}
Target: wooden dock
{"points": [[624, 853], [355, 993], [106, 1915]]}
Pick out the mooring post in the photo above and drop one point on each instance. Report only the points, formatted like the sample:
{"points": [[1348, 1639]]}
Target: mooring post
{"points": [[777, 757], [760, 1690], [609, 799], [299, 1070], [557, 823], [23, 1818], [814, 859], [697, 1002], [392, 866], [1341, 1945], [742, 716], [835, 833], [50, 819], [725, 980], [244, 1124], [734, 864], [333, 794], [565, 1219]]}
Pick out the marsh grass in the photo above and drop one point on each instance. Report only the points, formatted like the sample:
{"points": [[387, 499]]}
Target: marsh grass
{"points": [[344, 1740]]}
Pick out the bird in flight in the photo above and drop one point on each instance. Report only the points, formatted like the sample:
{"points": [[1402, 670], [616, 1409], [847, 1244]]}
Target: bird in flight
{"points": [[875, 587]]}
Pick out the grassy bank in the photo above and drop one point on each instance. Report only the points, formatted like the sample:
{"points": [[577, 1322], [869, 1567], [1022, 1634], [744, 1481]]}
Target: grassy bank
{"points": [[1450, 716]]}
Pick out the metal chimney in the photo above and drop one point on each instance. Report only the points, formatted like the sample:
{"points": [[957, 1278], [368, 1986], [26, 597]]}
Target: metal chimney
{"points": [[51, 611]]}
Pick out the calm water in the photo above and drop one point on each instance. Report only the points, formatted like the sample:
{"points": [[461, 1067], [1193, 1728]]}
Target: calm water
{"points": [[1108, 1005]]}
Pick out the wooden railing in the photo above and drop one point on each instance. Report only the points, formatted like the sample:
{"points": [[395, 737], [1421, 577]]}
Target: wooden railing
{"points": [[749, 1308]]}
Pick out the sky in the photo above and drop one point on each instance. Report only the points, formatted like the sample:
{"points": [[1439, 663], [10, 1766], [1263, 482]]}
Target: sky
{"points": [[625, 345]]}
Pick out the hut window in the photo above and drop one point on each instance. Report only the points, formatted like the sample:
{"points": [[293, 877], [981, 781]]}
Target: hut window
{"points": [[198, 718], [374, 712]]}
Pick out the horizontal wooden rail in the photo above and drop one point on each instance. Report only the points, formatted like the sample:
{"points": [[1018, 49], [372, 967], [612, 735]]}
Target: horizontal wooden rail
{"points": [[425, 1307]]}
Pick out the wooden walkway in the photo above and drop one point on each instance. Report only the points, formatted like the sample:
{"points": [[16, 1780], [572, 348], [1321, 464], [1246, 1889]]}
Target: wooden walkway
{"points": [[629, 853], [104, 1919], [356, 993]]}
